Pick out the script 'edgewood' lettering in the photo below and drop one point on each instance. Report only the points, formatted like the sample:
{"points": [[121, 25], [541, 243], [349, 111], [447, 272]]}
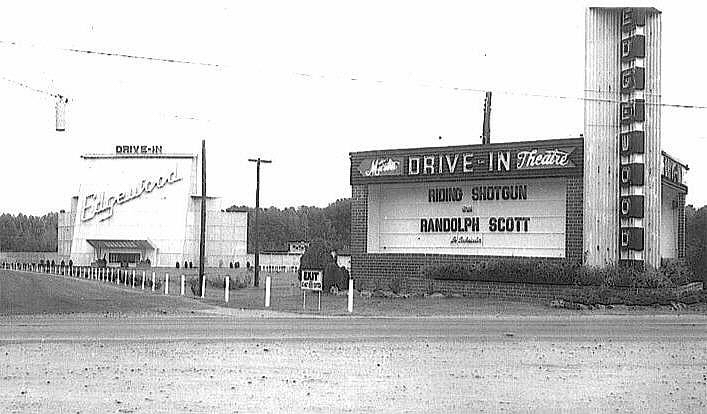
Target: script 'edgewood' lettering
{"points": [[97, 203]]}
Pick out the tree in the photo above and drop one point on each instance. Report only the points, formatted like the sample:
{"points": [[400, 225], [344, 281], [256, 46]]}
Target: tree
{"points": [[696, 240], [23, 233], [277, 227]]}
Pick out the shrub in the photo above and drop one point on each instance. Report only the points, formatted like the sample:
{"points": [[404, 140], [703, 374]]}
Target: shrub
{"points": [[512, 270], [317, 255], [678, 272], [595, 295], [563, 272], [219, 282], [396, 285]]}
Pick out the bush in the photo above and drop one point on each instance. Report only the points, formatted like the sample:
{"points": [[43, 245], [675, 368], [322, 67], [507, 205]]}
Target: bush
{"points": [[396, 285], [317, 255], [219, 282], [563, 272], [512, 270], [678, 272], [602, 295]]}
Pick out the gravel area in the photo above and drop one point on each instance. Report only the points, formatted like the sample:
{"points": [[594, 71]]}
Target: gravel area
{"points": [[393, 376]]}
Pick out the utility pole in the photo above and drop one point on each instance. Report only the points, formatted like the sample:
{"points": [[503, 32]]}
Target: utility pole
{"points": [[202, 239], [486, 131], [257, 207]]}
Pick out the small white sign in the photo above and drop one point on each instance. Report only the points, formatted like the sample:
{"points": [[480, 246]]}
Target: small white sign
{"points": [[311, 280]]}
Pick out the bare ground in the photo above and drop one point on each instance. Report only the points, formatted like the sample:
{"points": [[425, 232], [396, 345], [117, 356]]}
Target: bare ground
{"points": [[114, 357], [392, 376]]}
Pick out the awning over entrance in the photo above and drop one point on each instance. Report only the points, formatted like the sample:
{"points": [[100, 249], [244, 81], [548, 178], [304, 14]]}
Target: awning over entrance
{"points": [[103, 244]]}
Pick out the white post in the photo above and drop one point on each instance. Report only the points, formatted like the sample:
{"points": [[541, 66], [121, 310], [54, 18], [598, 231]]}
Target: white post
{"points": [[133, 286], [153, 281], [143, 280], [203, 286], [319, 300], [166, 283], [267, 291], [181, 291], [351, 295], [304, 299], [227, 287]]}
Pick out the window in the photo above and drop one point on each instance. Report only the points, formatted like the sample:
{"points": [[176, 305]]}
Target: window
{"points": [[123, 257]]}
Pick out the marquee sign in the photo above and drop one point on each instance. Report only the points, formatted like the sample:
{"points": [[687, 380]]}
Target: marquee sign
{"points": [[517, 217], [97, 204], [477, 161]]}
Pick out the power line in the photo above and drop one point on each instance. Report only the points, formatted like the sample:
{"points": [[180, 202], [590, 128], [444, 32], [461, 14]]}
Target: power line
{"points": [[354, 78], [116, 54], [151, 58], [41, 91]]}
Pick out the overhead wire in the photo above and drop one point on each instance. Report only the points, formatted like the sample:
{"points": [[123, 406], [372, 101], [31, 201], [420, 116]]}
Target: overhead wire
{"points": [[40, 91], [354, 77]]}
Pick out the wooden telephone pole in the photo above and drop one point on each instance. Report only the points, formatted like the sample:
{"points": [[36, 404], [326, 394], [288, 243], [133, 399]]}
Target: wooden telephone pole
{"points": [[257, 207], [486, 131], [202, 238]]}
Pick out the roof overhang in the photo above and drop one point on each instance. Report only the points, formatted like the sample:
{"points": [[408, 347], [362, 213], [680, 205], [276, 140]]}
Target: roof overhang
{"points": [[120, 244]]}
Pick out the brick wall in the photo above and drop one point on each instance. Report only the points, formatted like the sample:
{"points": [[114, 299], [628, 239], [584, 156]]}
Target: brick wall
{"points": [[574, 219], [681, 225], [379, 269]]}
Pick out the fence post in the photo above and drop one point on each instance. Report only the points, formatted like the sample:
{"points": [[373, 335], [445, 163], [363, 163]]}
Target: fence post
{"points": [[267, 291], [153, 281], [166, 283], [181, 289], [227, 287], [351, 285], [203, 286], [133, 283], [143, 280]]}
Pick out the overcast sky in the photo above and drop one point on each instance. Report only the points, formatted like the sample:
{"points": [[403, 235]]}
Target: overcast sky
{"points": [[284, 88]]}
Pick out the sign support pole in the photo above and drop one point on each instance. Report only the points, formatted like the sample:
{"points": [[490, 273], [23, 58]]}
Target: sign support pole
{"points": [[202, 238], [258, 161], [267, 291], [351, 286]]}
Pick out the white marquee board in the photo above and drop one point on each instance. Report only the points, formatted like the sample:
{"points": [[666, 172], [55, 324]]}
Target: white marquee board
{"points": [[513, 217]]}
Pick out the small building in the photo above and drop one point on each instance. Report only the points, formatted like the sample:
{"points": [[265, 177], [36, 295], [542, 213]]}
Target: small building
{"points": [[142, 207]]}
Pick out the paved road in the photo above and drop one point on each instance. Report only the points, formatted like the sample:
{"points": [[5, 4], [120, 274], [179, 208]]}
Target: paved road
{"points": [[666, 328], [240, 363]]}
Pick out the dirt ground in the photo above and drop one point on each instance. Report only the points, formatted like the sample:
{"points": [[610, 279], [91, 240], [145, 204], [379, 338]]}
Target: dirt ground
{"points": [[107, 354], [399, 376]]}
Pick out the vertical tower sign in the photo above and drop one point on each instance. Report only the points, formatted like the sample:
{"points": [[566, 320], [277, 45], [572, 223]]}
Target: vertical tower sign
{"points": [[632, 117], [622, 187]]}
